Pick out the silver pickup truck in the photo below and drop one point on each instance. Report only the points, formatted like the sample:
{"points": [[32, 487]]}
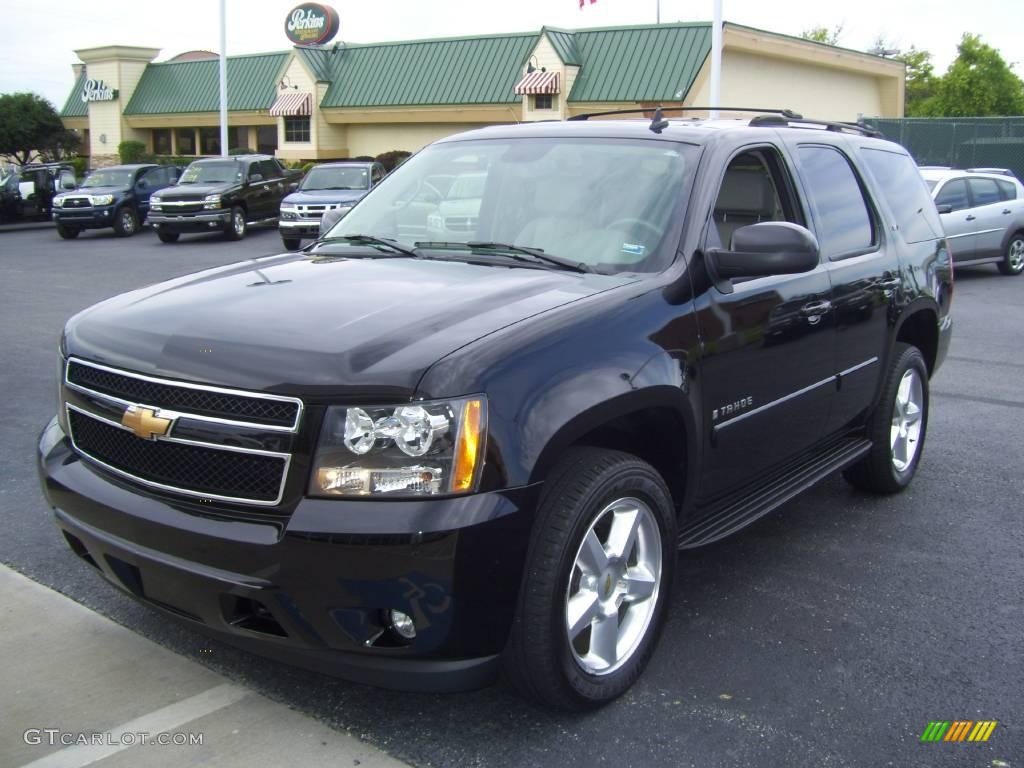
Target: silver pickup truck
{"points": [[983, 215]]}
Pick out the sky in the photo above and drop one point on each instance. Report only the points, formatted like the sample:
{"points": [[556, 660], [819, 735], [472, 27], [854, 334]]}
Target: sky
{"points": [[39, 43]]}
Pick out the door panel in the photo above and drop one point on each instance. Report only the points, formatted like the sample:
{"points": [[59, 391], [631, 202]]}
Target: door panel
{"points": [[960, 223], [988, 209]]}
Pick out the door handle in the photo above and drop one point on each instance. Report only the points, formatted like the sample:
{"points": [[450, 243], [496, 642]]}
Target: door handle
{"points": [[816, 308], [971, 218], [1006, 211]]}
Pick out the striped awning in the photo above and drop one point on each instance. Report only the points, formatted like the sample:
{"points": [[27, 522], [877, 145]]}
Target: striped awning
{"points": [[291, 104], [538, 81]]}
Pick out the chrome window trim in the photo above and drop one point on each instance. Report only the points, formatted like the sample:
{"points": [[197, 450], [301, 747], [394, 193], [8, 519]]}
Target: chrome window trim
{"points": [[300, 407], [175, 489]]}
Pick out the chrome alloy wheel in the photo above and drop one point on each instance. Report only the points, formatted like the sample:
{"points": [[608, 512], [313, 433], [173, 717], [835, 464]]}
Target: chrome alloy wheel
{"points": [[127, 221], [613, 586], [1016, 255], [907, 418], [238, 221]]}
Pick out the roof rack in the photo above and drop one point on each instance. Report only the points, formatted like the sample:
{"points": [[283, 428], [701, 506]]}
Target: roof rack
{"points": [[784, 112], [782, 121]]}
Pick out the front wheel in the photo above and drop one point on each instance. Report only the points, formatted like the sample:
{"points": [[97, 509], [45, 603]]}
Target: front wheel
{"points": [[1013, 261], [68, 233], [237, 225], [291, 243], [897, 429], [597, 581], [126, 222], [168, 237]]}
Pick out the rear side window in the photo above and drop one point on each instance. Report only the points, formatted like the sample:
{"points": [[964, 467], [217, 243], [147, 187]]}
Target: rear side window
{"points": [[954, 193], [844, 222], [1007, 190], [270, 169], [984, 191], [906, 193]]}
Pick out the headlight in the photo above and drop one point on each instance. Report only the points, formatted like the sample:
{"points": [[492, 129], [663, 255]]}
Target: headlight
{"points": [[211, 201], [416, 449], [288, 214], [155, 204], [58, 202], [101, 199]]}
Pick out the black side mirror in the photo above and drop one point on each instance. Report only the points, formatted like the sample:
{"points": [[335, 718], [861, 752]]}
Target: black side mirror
{"points": [[760, 250], [255, 177], [944, 208]]}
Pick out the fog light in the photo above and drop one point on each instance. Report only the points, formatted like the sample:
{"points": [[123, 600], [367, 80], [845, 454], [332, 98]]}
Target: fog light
{"points": [[402, 624]]}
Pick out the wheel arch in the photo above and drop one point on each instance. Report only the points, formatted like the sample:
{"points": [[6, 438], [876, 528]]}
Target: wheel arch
{"points": [[919, 326]]}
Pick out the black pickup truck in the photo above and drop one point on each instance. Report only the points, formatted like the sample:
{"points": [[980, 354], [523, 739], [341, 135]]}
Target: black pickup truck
{"points": [[224, 194], [417, 462]]}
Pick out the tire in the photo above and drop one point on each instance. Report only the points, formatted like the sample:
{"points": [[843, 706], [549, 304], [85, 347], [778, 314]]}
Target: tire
{"points": [[897, 432], [126, 222], [291, 243], [237, 226], [168, 237], [67, 233], [1013, 261], [546, 659]]}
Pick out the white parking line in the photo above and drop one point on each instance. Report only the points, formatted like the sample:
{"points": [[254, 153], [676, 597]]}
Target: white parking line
{"points": [[160, 721]]}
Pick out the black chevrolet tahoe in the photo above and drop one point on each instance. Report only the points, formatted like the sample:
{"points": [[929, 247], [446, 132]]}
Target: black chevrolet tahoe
{"points": [[415, 462], [222, 194]]}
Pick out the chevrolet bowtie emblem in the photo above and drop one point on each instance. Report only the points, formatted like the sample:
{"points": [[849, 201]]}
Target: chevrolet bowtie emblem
{"points": [[145, 423]]}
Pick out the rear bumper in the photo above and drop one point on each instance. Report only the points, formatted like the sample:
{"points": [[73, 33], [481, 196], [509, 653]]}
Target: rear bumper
{"points": [[189, 222], [312, 588]]}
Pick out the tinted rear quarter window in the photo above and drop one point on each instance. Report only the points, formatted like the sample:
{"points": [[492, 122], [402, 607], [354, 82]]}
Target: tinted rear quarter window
{"points": [[905, 192], [843, 220], [1007, 190]]}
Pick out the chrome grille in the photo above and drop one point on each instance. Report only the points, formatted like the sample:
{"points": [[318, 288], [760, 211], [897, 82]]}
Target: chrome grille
{"points": [[76, 202], [207, 462]]}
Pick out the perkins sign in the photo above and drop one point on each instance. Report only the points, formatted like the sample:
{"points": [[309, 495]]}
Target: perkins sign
{"points": [[311, 24], [97, 90]]}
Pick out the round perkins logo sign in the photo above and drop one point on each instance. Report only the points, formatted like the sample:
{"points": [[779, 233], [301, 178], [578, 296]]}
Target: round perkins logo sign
{"points": [[97, 90], [311, 24]]}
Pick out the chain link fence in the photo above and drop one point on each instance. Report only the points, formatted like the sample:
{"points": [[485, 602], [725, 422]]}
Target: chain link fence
{"points": [[961, 142]]}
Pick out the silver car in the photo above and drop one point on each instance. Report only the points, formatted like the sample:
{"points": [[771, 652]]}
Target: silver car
{"points": [[983, 214]]}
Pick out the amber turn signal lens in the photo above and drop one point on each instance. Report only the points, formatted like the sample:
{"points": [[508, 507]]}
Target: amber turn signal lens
{"points": [[467, 451]]}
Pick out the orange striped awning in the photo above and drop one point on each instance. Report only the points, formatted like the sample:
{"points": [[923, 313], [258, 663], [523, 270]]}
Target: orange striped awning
{"points": [[538, 81], [291, 104]]}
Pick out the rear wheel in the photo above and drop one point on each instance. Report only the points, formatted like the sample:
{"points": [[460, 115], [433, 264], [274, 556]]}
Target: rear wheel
{"points": [[897, 429], [126, 222], [1013, 261], [597, 583], [168, 237], [291, 243], [237, 227], [68, 233]]}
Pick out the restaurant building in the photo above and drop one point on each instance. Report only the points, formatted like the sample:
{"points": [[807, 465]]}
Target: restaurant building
{"points": [[349, 100]]}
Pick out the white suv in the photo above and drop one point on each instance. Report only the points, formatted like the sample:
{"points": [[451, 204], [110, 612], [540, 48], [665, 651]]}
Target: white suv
{"points": [[983, 214]]}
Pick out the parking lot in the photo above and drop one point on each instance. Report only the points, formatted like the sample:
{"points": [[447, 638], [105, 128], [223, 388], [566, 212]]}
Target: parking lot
{"points": [[828, 634]]}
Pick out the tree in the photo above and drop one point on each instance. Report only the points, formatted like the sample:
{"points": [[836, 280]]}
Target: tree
{"points": [[823, 34], [978, 83], [29, 126], [921, 82]]}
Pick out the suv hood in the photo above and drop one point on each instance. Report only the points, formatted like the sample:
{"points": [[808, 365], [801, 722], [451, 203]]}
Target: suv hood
{"points": [[193, 191], [320, 327], [324, 196], [94, 191]]}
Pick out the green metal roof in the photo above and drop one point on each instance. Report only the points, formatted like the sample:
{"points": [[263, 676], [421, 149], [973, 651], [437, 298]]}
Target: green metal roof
{"points": [[74, 106], [564, 43], [468, 70], [322, 63], [193, 86], [648, 63]]}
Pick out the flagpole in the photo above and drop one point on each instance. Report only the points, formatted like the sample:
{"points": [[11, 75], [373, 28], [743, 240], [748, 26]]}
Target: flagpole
{"points": [[716, 61], [223, 79], [657, 18]]}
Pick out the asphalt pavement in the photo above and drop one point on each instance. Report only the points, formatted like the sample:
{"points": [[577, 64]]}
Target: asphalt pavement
{"points": [[828, 634]]}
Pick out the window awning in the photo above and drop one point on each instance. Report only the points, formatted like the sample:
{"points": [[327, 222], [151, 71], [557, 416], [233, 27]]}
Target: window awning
{"points": [[538, 82], [291, 104]]}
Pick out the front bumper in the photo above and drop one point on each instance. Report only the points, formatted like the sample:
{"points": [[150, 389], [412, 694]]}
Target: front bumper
{"points": [[299, 227], [311, 588], [84, 218], [189, 222]]}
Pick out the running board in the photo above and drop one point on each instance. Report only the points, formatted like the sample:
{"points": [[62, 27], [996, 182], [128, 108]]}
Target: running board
{"points": [[740, 510]]}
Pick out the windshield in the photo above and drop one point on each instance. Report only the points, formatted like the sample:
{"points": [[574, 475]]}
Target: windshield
{"points": [[353, 177], [108, 179], [607, 203], [221, 172]]}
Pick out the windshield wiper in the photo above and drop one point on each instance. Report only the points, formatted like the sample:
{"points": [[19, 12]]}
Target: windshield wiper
{"points": [[376, 242], [517, 252]]}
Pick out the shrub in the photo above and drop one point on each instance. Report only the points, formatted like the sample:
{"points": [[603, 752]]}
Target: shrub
{"points": [[241, 151], [80, 164], [132, 151], [306, 168], [394, 158]]}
